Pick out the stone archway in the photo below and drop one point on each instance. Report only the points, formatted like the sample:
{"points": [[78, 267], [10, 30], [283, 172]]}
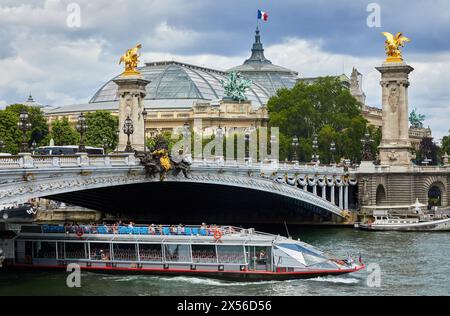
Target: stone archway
{"points": [[381, 196], [435, 191], [435, 194]]}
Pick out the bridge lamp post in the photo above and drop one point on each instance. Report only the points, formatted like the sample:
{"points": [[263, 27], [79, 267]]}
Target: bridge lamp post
{"points": [[247, 144], [144, 117], [315, 146], [128, 129], [24, 125], [186, 139], [333, 151], [2, 145], [367, 141], [118, 135], [295, 145], [82, 128], [105, 144], [33, 146]]}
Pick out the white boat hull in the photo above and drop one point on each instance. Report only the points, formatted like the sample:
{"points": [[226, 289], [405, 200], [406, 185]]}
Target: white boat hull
{"points": [[439, 225]]}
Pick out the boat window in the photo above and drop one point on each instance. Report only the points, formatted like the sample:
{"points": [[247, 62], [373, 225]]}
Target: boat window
{"points": [[302, 248], [75, 250], [150, 252], [204, 254], [44, 250], [124, 252], [100, 251], [259, 258], [230, 254], [177, 252], [283, 259]]}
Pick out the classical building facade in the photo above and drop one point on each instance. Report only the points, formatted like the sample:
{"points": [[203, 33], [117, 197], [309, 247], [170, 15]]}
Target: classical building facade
{"points": [[180, 93]]}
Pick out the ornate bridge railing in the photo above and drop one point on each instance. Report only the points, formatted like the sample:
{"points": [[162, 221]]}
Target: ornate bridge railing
{"points": [[23, 177]]}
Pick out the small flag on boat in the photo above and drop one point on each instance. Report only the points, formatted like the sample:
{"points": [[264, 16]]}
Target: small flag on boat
{"points": [[262, 15], [360, 259]]}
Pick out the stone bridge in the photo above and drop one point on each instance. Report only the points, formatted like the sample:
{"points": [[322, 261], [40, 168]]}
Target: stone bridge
{"points": [[101, 182]]}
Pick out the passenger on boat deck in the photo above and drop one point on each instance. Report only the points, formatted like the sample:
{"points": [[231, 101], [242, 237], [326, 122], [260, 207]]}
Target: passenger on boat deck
{"points": [[151, 229], [130, 225]]}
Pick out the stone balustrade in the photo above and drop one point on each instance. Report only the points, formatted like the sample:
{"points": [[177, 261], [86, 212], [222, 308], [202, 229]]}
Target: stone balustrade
{"points": [[26, 161]]}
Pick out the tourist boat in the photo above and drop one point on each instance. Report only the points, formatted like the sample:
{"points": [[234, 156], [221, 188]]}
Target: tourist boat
{"points": [[382, 221], [222, 252]]}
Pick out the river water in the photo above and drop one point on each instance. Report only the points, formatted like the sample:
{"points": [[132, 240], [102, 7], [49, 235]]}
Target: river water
{"points": [[409, 264]]}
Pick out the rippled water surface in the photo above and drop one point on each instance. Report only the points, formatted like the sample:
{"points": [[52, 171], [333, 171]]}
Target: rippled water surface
{"points": [[410, 263]]}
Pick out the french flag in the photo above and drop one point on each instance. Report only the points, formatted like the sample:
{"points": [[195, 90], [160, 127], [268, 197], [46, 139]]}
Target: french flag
{"points": [[262, 15]]}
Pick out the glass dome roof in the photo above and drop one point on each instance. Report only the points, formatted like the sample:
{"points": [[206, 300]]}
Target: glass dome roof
{"points": [[261, 70], [174, 80]]}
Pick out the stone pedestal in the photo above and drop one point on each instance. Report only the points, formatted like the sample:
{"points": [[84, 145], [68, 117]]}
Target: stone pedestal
{"points": [[395, 144], [131, 90]]}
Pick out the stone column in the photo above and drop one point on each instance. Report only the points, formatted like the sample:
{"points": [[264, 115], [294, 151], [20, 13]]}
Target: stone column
{"points": [[341, 195], [131, 103], [346, 197], [395, 143], [324, 192], [332, 195]]}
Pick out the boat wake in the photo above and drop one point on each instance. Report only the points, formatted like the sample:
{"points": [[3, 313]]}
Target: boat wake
{"points": [[177, 279], [337, 280]]}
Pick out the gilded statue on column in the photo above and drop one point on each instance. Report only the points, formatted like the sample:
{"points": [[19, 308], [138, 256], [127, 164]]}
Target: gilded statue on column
{"points": [[393, 45], [131, 61]]}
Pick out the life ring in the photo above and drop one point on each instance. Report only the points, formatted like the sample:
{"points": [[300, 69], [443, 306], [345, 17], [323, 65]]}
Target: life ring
{"points": [[217, 234], [80, 232]]}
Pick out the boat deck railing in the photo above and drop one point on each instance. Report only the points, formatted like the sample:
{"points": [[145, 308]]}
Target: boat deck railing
{"points": [[148, 230]]}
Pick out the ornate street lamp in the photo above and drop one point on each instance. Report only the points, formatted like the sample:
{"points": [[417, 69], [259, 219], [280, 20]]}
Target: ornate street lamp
{"points": [[106, 144], [2, 145], [333, 151], [367, 151], [315, 147], [33, 146], [24, 125], [118, 137], [128, 129], [295, 145], [82, 128], [144, 117]]}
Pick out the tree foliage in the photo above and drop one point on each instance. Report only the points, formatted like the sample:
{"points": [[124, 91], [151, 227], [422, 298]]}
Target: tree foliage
{"points": [[325, 107], [12, 136], [63, 134], [427, 150], [445, 145], [102, 130]]}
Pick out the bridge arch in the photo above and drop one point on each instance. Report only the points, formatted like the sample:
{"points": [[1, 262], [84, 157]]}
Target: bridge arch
{"points": [[72, 178]]}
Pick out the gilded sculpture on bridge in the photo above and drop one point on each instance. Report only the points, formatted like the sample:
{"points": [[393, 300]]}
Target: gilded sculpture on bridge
{"points": [[131, 61], [393, 44], [158, 161]]}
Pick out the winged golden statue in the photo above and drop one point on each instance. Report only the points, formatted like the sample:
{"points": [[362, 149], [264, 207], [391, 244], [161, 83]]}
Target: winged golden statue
{"points": [[393, 45], [131, 61]]}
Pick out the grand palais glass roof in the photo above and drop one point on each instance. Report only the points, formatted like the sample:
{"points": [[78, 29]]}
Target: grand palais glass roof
{"points": [[174, 80]]}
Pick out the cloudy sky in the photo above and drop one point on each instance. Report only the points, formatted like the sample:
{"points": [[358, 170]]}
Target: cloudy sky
{"points": [[60, 65]]}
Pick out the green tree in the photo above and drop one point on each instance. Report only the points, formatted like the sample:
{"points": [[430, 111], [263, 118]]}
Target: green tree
{"points": [[102, 130], [10, 133], [427, 150], [63, 134], [325, 107], [445, 145]]}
